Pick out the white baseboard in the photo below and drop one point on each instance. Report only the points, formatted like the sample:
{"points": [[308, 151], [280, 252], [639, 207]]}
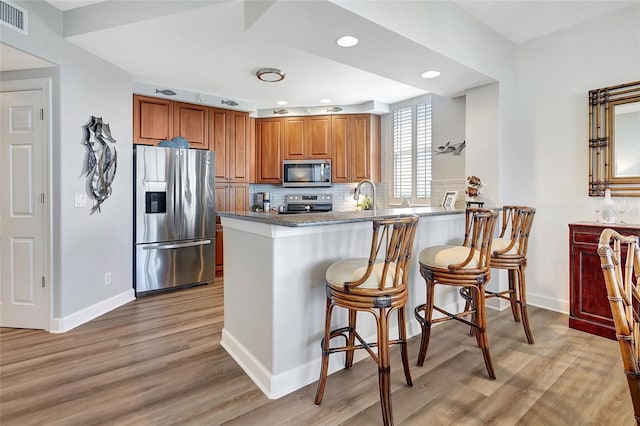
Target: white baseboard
{"points": [[61, 325], [277, 385], [250, 364], [546, 302]]}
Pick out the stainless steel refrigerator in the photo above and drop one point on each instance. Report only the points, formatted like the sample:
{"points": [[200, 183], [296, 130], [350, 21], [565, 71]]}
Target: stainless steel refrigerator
{"points": [[174, 218]]}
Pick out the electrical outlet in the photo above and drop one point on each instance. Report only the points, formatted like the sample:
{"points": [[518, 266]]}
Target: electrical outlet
{"points": [[346, 196], [107, 278]]}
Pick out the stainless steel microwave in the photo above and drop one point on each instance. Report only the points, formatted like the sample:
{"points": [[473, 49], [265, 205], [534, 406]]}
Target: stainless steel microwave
{"points": [[306, 173]]}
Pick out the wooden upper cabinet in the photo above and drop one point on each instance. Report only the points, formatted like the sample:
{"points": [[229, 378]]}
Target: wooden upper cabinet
{"points": [[319, 141], [239, 148], [293, 142], [341, 153], [191, 122], [307, 137], [230, 138], [218, 137], [361, 147], [355, 148], [157, 119], [152, 120], [268, 150]]}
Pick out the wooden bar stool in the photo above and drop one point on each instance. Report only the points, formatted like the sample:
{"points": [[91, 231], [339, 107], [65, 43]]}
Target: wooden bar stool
{"points": [[467, 266], [510, 253], [620, 261], [375, 285]]}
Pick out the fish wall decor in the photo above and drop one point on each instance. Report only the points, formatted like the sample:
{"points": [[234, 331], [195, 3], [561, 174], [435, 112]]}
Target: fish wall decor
{"points": [[334, 109], [229, 102], [102, 161], [281, 111], [166, 92]]}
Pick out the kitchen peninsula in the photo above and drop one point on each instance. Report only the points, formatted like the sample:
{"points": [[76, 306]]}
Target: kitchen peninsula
{"points": [[274, 287]]}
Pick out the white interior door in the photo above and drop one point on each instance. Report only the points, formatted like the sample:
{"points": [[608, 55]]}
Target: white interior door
{"points": [[22, 292]]}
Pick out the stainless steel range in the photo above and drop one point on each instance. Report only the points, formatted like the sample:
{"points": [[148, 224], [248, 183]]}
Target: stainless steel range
{"points": [[307, 203]]}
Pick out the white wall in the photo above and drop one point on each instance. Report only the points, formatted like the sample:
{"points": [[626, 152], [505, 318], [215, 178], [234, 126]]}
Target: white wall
{"points": [[554, 75], [84, 247], [448, 126], [482, 130]]}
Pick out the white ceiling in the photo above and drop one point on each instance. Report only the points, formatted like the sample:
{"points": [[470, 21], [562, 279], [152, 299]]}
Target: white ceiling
{"points": [[521, 21], [213, 48]]}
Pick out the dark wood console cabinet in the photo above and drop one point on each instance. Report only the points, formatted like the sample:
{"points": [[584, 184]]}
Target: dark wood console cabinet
{"points": [[589, 306]]}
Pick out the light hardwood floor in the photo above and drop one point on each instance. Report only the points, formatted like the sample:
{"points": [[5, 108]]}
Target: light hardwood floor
{"points": [[158, 361]]}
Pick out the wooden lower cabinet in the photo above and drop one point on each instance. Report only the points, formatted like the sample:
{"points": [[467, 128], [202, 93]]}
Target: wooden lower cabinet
{"points": [[229, 197], [219, 251], [589, 305]]}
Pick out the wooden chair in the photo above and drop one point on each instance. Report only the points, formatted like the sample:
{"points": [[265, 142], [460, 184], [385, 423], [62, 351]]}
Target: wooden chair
{"points": [[467, 266], [622, 281], [375, 285], [509, 251]]}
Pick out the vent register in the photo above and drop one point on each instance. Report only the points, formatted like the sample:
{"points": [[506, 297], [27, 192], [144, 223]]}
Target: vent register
{"points": [[13, 17]]}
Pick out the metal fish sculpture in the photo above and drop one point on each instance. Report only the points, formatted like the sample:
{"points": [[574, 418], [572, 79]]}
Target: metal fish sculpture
{"points": [[281, 111], [166, 92], [229, 102], [334, 109], [102, 160], [450, 148]]}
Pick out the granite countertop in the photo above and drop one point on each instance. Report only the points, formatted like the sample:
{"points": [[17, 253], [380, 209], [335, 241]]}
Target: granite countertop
{"points": [[335, 217]]}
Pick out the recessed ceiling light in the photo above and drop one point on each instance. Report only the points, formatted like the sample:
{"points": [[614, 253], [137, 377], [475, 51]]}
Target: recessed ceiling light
{"points": [[282, 103], [325, 101], [270, 74], [347, 41], [430, 74]]}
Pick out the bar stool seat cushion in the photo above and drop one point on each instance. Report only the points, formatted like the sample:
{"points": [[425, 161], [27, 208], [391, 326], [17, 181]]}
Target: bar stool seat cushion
{"points": [[443, 256], [349, 270], [500, 244]]}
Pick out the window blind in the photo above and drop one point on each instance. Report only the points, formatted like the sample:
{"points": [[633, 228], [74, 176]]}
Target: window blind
{"points": [[402, 153], [412, 153], [423, 151]]}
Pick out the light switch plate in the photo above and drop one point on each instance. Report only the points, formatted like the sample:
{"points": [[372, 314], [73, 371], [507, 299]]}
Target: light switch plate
{"points": [[81, 200]]}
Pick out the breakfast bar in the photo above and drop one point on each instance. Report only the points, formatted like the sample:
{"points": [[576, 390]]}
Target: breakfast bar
{"points": [[274, 286]]}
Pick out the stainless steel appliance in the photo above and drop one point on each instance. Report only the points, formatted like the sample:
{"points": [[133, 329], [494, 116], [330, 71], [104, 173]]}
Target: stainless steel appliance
{"points": [[174, 217], [306, 173], [303, 203]]}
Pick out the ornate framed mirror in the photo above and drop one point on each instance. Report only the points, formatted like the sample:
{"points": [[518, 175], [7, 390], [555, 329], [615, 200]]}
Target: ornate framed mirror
{"points": [[614, 140]]}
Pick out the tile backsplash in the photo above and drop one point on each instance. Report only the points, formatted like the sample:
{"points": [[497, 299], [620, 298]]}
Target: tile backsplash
{"points": [[343, 193], [440, 187]]}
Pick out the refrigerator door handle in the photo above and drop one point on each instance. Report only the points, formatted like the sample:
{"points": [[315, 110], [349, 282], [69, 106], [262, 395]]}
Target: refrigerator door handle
{"points": [[173, 246]]}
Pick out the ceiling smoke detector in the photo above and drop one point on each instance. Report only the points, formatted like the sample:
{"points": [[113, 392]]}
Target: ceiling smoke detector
{"points": [[270, 74]]}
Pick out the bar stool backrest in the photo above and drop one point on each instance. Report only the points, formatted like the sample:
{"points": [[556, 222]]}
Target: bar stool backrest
{"points": [[478, 235], [392, 240], [516, 226], [622, 290]]}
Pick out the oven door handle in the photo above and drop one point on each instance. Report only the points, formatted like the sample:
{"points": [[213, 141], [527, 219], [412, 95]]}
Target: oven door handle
{"points": [[174, 246]]}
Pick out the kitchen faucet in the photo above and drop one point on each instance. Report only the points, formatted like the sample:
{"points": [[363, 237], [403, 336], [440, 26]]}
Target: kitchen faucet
{"points": [[357, 192]]}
